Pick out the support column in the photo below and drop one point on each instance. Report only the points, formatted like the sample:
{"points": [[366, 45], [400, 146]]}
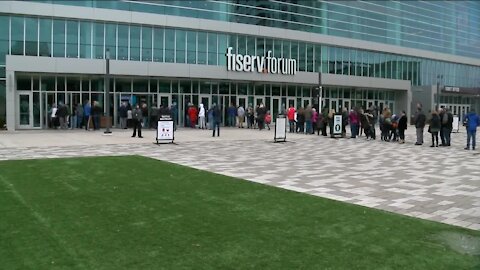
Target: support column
{"points": [[10, 100]]}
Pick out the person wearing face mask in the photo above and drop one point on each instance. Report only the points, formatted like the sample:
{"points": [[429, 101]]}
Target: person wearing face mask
{"points": [[137, 121]]}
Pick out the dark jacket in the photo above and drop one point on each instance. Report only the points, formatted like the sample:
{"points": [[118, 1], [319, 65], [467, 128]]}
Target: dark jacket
{"points": [[449, 124], [217, 115], [123, 112], [402, 123], [97, 110], [435, 123], [420, 119], [137, 114]]}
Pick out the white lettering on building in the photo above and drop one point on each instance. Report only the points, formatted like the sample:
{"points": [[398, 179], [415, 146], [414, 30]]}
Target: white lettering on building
{"points": [[260, 64]]}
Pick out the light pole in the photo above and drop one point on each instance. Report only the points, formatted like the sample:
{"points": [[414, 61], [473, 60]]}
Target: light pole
{"points": [[107, 91], [439, 78]]}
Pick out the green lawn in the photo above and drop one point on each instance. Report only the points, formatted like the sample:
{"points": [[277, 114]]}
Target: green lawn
{"points": [[139, 213]]}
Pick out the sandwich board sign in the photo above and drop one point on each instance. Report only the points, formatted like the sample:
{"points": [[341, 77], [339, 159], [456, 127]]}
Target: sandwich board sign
{"points": [[165, 130], [337, 125], [280, 129], [456, 124]]}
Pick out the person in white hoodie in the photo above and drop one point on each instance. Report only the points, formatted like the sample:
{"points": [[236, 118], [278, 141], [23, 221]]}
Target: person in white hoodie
{"points": [[201, 117]]}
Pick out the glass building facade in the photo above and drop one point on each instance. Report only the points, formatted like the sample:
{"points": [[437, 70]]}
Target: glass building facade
{"points": [[450, 27]]}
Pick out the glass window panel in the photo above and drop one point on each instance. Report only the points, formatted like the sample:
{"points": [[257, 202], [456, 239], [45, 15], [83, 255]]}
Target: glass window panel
{"points": [[17, 35], [111, 39], [122, 42], [85, 40], [58, 38], [60, 84], [140, 86], [123, 85], [158, 45], [73, 84], [251, 46], [85, 85], [169, 45], [146, 43], [135, 43], [301, 57], [310, 58], [47, 83], [277, 48], [4, 37], [202, 48], [212, 49], [31, 36], [222, 49], [180, 36], [97, 85], [98, 35], [191, 47], [24, 83], [164, 86], [72, 39], [242, 44], [260, 46]]}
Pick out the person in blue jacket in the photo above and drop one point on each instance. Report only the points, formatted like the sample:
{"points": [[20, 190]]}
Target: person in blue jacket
{"points": [[87, 111], [471, 123]]}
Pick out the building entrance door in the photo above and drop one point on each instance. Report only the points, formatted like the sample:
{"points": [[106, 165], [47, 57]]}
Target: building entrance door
{"points": [[290, 102], [165, 100], [25, 110], [306, 102], [242, 101], [206, 100], [275, 108], [333, 104]]}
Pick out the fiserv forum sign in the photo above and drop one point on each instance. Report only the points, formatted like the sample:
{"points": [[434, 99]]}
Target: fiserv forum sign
{"points": [[268, 64]]}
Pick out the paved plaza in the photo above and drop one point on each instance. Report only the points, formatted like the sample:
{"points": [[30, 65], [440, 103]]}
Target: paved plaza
{"points": [[440, 184]]}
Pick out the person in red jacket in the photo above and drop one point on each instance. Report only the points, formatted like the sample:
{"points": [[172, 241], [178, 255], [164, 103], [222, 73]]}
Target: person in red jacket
{"points": [[192, 114], [291, 118]]}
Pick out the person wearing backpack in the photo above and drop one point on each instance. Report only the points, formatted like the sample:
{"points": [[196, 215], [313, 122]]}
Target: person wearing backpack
{"points": [[472, 121]]}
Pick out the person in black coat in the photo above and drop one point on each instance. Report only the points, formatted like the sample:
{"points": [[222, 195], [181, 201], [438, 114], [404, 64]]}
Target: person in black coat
{"points": [[217, 118], [420, 120], [402, 126]]}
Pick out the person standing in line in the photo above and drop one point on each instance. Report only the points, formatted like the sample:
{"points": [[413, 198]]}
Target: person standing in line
{"points": [[300, 120], [261, 112], [96, 111], [434, 128], [314, 120], [201, 117], [217, 118], [308, 119], [291, 118], [241, 116], [145, 115], [231, 112], [448, 126], [210, 118], [62, 115], [79, 115], [137, 121], [123, 113], [420, 120], [353, 119], [472, 121], [402, 126], [268, 119], [73, 117], [443, 122], [87, 111], [154, 115]]}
